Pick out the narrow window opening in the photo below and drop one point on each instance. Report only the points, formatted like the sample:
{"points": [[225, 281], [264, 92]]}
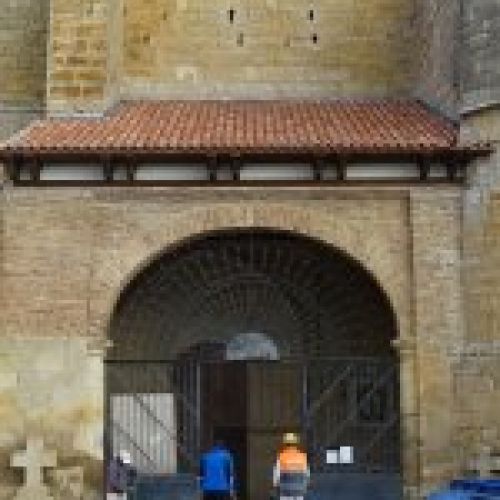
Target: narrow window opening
{"points": [[311, 15], [314, 38], [231, 13]]}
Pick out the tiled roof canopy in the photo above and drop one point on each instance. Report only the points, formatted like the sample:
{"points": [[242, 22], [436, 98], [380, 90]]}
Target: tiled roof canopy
{"points": [[245, 127]]}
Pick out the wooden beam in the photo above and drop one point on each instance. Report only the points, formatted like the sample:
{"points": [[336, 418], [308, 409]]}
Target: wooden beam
{"points": [[165, 157], [392, 182], [131, 167], [341, 167], [15, 168], [107, 169], [318, 166], [424, 167], [451, 170], [212, 168], [9, 168], [35, 169], [235, 166]]}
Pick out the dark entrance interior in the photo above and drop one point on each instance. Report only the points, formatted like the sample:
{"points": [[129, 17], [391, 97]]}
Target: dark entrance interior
{"points": [[243, 335], [249, 405], [224, 413]]}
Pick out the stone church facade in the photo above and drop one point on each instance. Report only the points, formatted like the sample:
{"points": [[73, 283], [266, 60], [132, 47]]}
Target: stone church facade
{"points": [[80, 221]]}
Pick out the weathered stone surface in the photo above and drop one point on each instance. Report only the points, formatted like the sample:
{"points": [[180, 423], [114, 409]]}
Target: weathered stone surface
{"points": [[64, 278], [52, 388], [85, 48], [258, 48], [477, 375], [438, 51], [23, 28], [68, 483], [66, 255], [252, 48], [23, 42], [479, 64]]}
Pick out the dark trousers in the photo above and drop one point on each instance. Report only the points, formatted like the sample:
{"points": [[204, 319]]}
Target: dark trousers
{"points": [[216, 495]]}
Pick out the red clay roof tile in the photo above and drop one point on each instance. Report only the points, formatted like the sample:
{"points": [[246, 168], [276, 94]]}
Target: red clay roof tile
{"points": [[242, 127]]}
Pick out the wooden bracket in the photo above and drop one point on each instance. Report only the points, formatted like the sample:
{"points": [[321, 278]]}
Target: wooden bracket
{"points": [[318, 166], [131, 167], [451, 170], [235, 166], [15, 168], [424, 167], [212, 168], [35, 169], [341, 167], [108, 169]]}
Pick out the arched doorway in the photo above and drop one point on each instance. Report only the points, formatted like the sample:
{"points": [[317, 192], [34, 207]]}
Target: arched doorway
{"points": [[296, 329]]}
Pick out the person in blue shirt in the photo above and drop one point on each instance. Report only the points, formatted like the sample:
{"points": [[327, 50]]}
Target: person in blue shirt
{"points": [[217, 473]]}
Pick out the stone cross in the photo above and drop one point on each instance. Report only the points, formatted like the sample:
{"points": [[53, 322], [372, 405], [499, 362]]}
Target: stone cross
{"points": [[34, 459]]}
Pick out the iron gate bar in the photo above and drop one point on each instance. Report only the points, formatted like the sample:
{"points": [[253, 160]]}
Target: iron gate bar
{"points": [[383, 429], [327, 392], [306, 270], [184, 381], [182, 449], [131, 440], [159, 362], [353, 413]]}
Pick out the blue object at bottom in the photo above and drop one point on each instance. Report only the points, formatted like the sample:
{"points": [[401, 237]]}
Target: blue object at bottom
{"points": [[469, 489]]}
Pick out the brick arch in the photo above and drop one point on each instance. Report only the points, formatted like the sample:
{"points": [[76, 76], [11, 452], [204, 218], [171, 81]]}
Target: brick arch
{"points": [[192, 222]]}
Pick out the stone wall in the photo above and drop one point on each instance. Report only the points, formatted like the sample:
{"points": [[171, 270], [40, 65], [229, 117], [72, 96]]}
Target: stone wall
{"points": [[249, 48], [267, 48], [68, 253], [478, 371], [439, 328], [84, 55], [101, 50], [23, 41], [14, 117], [479, 64], [438, 31], [23, 28]]}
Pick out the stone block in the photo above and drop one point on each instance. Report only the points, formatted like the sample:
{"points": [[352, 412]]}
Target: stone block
{"points": [[68, 483]]}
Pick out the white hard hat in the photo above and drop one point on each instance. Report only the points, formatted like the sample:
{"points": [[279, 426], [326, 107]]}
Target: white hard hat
{"points": [[125, 457], [291, 438]]}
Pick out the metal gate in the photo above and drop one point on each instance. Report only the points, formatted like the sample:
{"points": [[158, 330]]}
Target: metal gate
{"points": [[351, 419], [347, 411], [153, 412]]}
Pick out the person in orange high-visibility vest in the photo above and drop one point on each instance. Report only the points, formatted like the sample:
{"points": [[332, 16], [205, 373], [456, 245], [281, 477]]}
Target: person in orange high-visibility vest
{"points": [[291, 471]]}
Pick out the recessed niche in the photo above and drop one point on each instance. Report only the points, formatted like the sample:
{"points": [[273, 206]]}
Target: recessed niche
{"points": [[240, 40]]}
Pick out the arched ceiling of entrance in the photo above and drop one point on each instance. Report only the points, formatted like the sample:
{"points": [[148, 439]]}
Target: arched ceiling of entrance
{"points": [[311, 298]]}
